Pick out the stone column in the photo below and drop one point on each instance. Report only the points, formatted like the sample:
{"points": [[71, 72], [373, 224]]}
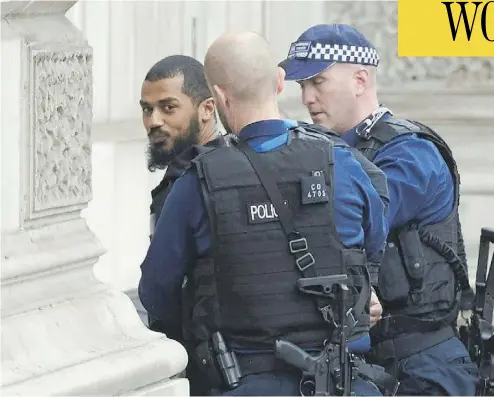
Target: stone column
{"points": [[63, 332]]}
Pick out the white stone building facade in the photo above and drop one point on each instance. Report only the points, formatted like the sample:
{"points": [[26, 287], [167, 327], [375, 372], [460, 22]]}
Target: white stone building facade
{"points": [[74, 175]]}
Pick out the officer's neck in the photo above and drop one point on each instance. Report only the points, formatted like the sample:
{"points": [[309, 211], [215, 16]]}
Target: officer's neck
{"points": [[363, 112], [245, 114]]}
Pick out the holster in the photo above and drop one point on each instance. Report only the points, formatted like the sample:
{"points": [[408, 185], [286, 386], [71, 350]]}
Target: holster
{"points": [[205, 362]]}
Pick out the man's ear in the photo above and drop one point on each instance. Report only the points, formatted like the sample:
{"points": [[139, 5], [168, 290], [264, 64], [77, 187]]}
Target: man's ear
{"points": [[281, 81], [220, 97], [362, 80], [206, 110]]}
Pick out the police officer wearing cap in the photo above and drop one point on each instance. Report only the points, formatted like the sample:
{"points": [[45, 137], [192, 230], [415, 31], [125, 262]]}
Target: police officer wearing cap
{"points": [[256, 227], [423, 275]]}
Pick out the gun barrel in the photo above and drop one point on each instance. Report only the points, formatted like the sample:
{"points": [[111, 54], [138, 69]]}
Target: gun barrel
{"points": [[294, 355]]}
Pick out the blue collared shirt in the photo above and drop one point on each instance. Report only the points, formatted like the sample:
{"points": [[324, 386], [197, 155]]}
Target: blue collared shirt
{"points": [[182, 233], [420, 184]]}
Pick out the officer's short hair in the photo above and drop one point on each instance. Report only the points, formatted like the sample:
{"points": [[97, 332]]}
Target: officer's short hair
{"points": [[194, 86]]}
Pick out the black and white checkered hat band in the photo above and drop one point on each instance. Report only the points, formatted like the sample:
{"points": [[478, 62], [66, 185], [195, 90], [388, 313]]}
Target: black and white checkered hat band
{"points": [[344, 54]]}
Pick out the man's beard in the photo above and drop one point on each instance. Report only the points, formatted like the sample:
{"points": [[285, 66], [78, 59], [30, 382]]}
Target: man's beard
{"points": [[160, 158], [224, 121]]}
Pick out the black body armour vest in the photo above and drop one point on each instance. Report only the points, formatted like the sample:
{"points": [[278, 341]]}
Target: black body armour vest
{"points": [[421, 275], [247, 288], [377, 177]]}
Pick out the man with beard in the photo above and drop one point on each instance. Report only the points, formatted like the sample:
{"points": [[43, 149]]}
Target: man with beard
{"points": [[178, 112]]}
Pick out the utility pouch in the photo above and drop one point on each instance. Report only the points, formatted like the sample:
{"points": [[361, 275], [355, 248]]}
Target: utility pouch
{"points": [[414, 260], [393, 281]]}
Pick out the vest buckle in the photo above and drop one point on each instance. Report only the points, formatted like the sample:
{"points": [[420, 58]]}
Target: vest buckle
{"points": [[298, 245], [305, 261]]}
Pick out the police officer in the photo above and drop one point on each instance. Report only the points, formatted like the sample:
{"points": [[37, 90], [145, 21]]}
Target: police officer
{"points": [[421, 275], [178, 112], [249, 223]]}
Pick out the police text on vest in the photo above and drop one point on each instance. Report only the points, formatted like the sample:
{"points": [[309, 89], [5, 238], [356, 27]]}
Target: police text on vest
{"points": [[262, 212]]}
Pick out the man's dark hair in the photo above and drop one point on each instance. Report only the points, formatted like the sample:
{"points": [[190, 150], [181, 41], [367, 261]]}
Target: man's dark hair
{"points": [[195, 85]]}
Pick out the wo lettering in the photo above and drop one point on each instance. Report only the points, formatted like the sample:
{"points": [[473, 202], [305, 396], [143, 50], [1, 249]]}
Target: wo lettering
{"points": [[480, 8]]}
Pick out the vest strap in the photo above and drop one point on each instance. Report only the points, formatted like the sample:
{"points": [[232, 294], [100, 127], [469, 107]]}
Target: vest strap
{"points": [[390, 351], [394, 325]]}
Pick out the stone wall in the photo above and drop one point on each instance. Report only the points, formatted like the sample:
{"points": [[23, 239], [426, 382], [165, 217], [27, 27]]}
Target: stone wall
{"points": [[63, 332]]}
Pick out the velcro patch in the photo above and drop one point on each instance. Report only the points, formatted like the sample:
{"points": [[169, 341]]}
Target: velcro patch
{"points": [[314, 189], [262, 212]]}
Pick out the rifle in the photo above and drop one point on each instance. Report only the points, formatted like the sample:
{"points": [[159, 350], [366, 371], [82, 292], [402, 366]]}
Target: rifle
{"points": [[331, 371], [477, 334]]}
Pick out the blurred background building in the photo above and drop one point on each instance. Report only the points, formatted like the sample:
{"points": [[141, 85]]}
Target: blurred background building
{"points": [[453, 95]]}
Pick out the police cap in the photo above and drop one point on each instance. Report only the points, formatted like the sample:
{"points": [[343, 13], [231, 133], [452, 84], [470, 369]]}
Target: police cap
{"points": [[321, 46]]}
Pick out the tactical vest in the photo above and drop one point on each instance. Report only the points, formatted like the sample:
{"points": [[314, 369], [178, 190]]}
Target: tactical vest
{"points": [[421, 274], [247, 287], [377, 177]]}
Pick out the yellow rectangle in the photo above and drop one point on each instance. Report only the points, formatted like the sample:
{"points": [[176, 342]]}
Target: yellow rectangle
{"points": [[426, 28]]}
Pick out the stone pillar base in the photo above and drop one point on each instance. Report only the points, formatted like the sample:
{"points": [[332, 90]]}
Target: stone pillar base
{"points": [[65, 333]]}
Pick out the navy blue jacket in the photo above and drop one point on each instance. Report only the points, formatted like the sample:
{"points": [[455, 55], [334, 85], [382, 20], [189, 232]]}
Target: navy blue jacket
{"points": [[420, 184], [182, 232]]}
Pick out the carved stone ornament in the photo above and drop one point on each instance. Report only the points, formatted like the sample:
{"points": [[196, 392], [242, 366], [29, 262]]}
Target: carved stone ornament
{"points": [[378, 21], [61, 106]]}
